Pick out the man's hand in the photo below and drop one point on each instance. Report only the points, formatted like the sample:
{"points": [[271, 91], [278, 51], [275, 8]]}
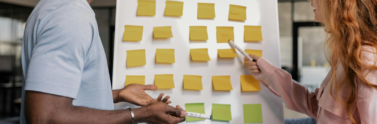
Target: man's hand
{"points": [[165, 100], [162, 113], [135, 94]]}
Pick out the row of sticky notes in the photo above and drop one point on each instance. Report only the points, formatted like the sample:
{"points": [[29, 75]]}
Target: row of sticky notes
{"points": [[148, 8], [137, 58], [134, 33], [194, 82], [252, 113], [175, 8]]}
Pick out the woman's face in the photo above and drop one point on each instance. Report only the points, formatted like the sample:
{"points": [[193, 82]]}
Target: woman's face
{"points": [[317, 10]]}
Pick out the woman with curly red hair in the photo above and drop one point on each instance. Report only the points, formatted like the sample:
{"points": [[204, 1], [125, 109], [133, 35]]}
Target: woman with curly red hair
{"points": [[349, 92]]}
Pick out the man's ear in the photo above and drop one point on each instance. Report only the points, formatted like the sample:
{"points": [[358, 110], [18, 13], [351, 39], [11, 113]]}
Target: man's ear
{"points": [[89, 1]]}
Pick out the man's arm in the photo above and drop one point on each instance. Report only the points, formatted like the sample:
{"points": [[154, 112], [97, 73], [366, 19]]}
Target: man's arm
{"points": [[46, 108]]}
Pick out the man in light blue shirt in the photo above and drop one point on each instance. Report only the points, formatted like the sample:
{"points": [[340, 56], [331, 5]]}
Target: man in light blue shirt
{"points": [[66, 73]]}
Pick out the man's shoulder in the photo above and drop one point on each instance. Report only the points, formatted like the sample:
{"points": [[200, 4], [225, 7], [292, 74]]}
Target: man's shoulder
{"points": [[63, 9]]}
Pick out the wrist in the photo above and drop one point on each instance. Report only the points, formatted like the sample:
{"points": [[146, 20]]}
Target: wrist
{"points": [[141, 114]]}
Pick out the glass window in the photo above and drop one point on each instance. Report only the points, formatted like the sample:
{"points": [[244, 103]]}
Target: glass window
{"points": [[303, 12], [312, 39], [285, 29], [313, 64]]}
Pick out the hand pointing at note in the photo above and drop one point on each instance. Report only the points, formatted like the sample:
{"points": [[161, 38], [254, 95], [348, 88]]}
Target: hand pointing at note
{"points": [[252, 65], [254, 68]]}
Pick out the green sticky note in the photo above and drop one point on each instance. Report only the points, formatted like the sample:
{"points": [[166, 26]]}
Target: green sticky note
{"points": [[221, 112], [194, 107], [252, 113]]}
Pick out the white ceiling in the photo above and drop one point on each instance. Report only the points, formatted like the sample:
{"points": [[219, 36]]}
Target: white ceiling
{"points": [[32, 3]]}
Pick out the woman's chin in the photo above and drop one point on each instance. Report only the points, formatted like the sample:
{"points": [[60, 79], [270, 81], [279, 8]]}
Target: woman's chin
{"points": [[317, 18]]}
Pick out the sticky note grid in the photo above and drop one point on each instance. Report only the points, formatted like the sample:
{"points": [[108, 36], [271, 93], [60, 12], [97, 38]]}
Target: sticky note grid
{"points": [[133, 34]]}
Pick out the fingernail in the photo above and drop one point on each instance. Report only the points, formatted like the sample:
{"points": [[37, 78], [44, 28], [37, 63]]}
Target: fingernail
{"points": [[183, 113]]}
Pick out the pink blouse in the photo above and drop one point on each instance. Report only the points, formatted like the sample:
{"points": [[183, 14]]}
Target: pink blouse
{"points": [[319, 104]]}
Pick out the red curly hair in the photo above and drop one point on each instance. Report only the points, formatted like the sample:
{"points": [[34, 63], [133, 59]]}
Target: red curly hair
{"points": [[350, 25]]}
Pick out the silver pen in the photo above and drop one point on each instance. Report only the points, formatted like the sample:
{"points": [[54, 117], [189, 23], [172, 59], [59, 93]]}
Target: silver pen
{"points": [[198, 115]]}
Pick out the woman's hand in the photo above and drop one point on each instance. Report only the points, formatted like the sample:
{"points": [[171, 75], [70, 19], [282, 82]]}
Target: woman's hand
{"points": [[252, 64], [258, 73]]}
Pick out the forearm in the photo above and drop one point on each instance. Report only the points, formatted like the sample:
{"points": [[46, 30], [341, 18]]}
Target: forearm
{"points": [[83, 115], [44, 108], [86, 115], [294, 95]]}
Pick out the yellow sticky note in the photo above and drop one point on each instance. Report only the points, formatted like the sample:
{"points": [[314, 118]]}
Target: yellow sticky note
{"points": [[192, 82], [199, 54], [254, 52], [162, 32], [221, 83], [164, 81], [227, 53], [249, 83], [237, 13], [133, 33], [165, 56], [136, 58], [206, 10], [174, 8], [146, 8], [224, 34], [135, 79], [253, 33], [198, 33]]}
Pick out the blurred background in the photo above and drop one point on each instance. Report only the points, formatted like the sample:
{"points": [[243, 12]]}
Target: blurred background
{"points": [[301, 46]]}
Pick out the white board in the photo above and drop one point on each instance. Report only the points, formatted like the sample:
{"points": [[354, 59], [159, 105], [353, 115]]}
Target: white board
{"points": [[259, 12]]}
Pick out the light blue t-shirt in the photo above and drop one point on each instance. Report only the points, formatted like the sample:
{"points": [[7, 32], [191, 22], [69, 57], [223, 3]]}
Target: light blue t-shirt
{"points": [[62, 54]]}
